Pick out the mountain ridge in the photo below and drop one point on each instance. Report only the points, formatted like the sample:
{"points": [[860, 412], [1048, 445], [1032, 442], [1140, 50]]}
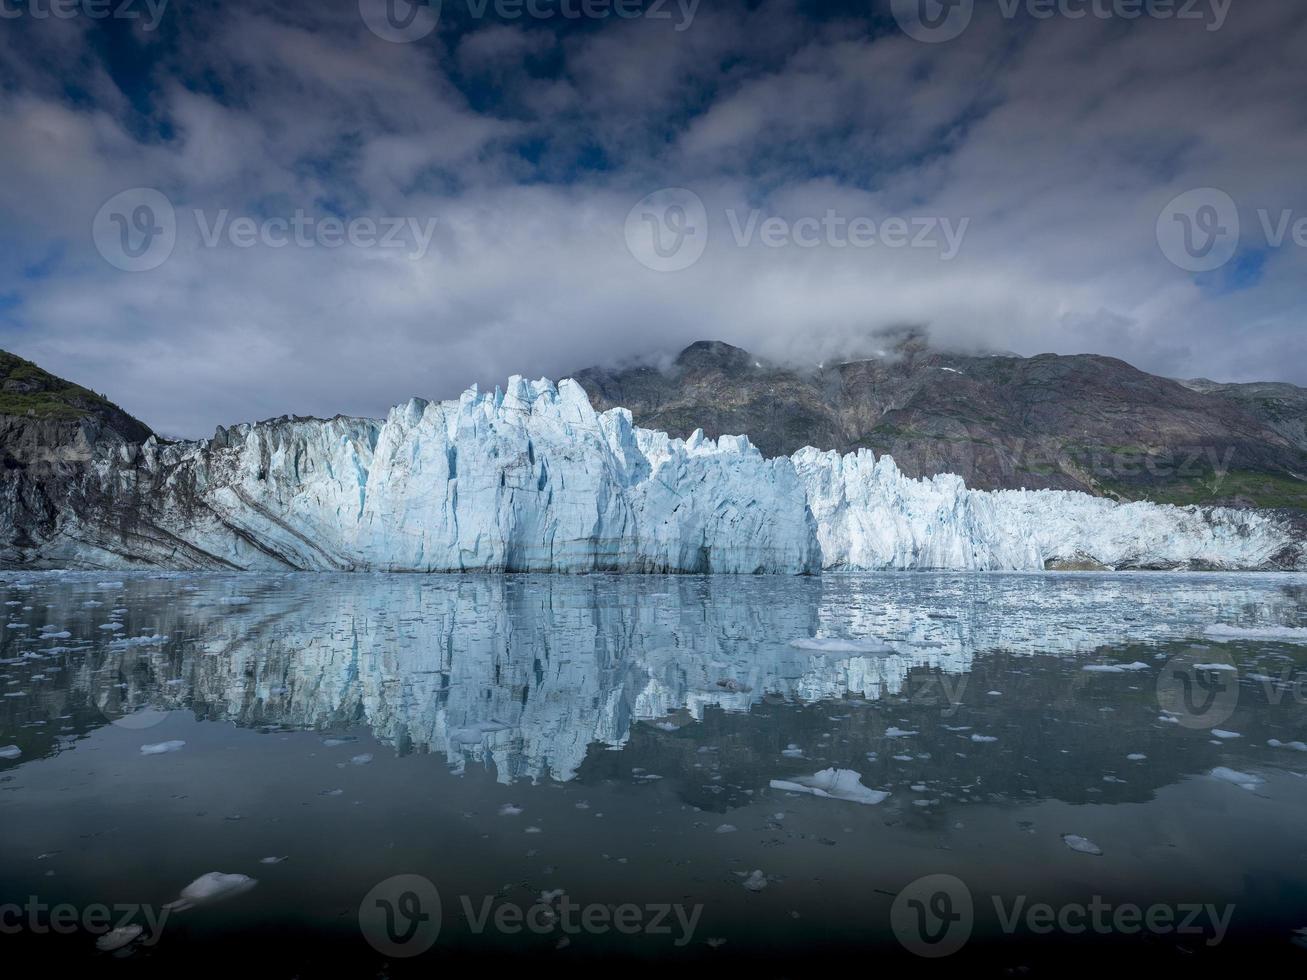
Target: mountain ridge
{"points": [[1081, 422]]}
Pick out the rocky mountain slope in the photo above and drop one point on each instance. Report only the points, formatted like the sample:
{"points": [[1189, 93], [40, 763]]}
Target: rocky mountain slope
{"points": [[50, 431], [1281, 407], [1084, 422]]}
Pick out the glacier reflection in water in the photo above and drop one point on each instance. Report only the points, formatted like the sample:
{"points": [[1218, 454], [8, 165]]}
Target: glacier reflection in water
{"points": [[528, 672]]}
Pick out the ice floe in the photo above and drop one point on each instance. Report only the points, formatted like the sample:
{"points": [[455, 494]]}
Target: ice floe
{"points": [[836, 784]]}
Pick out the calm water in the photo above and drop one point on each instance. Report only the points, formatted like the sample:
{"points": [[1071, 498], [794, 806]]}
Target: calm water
{"points": [[581, 772]]}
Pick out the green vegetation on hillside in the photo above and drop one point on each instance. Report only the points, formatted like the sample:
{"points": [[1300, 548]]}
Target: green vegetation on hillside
{"points": [[25, 389], [1259, 489]]}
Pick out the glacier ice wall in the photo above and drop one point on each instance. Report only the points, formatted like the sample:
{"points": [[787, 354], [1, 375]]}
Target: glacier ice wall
{"points": [[532, 478], [526, 479], [870, 516]]}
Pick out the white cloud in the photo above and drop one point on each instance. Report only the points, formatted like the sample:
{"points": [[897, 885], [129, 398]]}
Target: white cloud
{"points": [[1060, 142]]}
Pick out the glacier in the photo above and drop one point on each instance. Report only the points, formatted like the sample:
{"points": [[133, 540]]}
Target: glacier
{"points": [[533, 478]]}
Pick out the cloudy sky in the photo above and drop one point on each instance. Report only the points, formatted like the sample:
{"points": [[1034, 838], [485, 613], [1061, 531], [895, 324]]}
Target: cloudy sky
{"points": [[226, 211]]}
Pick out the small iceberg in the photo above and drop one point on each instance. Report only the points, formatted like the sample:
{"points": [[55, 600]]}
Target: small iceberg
{"points": [[1082, 845], [212, 887], [1241, 779], [116, 939], [159, 748], [1274, 743], [834, 784]]}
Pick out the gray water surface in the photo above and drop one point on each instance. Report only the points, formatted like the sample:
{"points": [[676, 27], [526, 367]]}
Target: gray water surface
{"points": [[466, 767]]}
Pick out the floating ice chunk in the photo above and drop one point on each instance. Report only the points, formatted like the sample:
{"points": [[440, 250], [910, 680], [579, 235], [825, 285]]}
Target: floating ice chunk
{"points": [[984, 738], [893, 732], [726, 828], [1114, 668], [1225, 634], [10, 752], [792, 751], [108, 585], [1136, 757], [272, 860], [1082, 845], [509, 810], [1222, 734], [755, 881], [835, 784], [233, 600], [212, 887], [1275, 743], [827, 645], [361, 760], [116, 939], [159, 748], [1241, 779], [1216, 666]]}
